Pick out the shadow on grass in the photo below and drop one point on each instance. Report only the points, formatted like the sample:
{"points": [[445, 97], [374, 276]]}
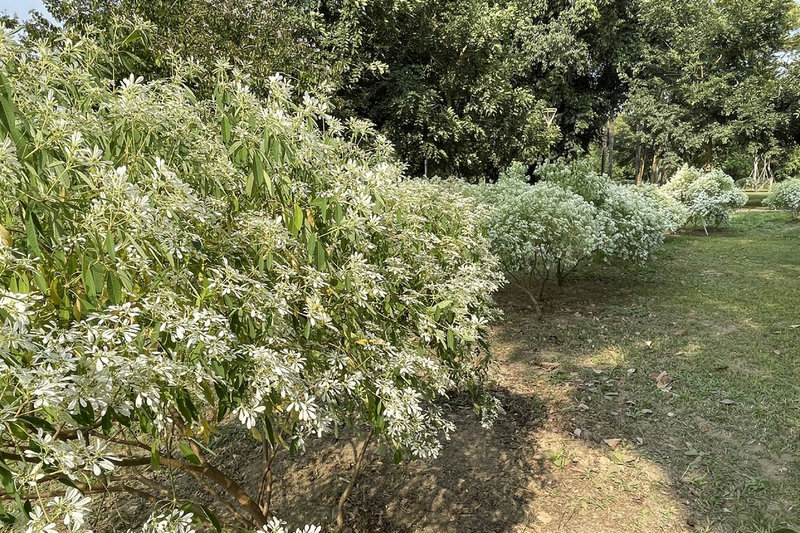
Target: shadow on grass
{"points": [[723, 428]]}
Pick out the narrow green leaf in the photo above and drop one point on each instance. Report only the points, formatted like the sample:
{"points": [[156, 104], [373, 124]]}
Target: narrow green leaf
{"points": [[33, 240], [155, 457], [188, 453], [110, 248]]}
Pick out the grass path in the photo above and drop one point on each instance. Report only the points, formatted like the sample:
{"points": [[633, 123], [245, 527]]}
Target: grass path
{"points": [[689, 369]]}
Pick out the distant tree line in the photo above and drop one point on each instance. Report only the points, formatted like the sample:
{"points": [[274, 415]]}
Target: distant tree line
{"points": [[461, 87]]}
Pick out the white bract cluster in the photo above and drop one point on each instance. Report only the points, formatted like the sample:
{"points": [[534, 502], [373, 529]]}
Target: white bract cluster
{"points": [[709, 197], [540, 232], [785, 195], [640, 223], [544, 231], [166, 262]]}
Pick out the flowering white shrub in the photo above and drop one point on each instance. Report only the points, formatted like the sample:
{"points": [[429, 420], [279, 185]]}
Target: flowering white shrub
{"points": [[166, 263], [672, 210], [545, 231], [640, 223], [785, 195], [540, 232], [709, 197], [578, 177]]}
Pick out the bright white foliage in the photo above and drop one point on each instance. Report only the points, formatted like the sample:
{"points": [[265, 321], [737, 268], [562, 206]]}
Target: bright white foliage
{"points": [[785, 195], [640, 223], [540, 231], [573, 214], [709, 197], [167, 261], [673, 211]]}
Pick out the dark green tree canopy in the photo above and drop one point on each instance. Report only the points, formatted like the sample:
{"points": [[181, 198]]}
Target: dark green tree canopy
{"points": [[712, 78], [458, 86]]}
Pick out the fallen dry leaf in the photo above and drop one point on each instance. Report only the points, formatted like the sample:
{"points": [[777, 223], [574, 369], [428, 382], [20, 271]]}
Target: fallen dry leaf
{"points": [[663, 380]]}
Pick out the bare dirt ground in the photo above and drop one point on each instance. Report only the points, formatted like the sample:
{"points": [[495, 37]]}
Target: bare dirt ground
{"points": [[529, 473]]}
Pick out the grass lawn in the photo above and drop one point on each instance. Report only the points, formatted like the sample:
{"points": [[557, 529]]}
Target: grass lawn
{"points": [[693, 363], [755, 198]]}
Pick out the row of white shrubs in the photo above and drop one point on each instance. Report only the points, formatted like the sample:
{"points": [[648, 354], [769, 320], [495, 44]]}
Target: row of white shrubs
{"points": [[573, 215]]}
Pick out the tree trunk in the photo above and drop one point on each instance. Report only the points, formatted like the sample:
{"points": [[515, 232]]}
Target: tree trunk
{"points": [[639, 166], [611, 149], [654, 168], [603, 153], [709, 157]]}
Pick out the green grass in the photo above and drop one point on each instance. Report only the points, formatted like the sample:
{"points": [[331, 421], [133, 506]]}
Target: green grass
{"points": [[721, 315], [755, 198]]}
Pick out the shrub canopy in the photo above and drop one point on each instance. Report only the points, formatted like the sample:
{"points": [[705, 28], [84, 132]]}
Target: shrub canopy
{"points": [[785, 195], [709, 197], [166, 262], [544, 231]]}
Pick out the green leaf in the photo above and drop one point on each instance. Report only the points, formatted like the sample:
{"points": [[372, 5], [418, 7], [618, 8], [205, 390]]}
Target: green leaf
{"points": [[110, 248], [258, 168], [311, 243], [188, 453], [40, 282], [114, 287], [155, 457], [33, 240], [226, 129], [248, 187], [37, 422], [296, 222], [88, 280], [211, 517], [320, 257]]}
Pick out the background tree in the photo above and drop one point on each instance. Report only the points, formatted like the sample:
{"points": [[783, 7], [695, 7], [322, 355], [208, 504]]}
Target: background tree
{"points": [[459, 87], [712, 80]]}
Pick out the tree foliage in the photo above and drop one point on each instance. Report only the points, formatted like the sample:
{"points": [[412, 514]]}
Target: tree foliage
{"points": [[714, 79], [458, 87]]}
